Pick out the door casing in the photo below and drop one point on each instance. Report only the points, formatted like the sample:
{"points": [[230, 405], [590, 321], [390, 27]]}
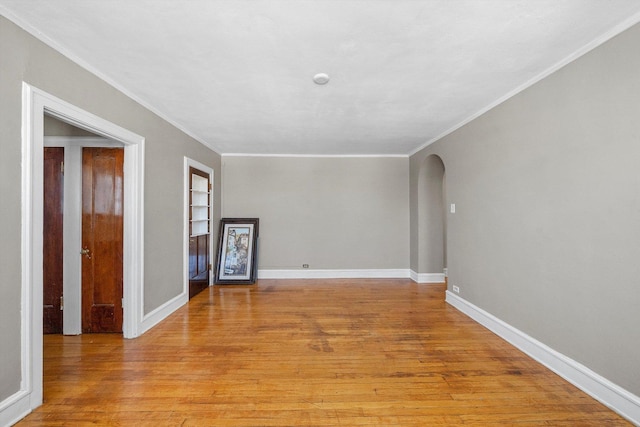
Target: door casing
{"points": [[35, 104]]}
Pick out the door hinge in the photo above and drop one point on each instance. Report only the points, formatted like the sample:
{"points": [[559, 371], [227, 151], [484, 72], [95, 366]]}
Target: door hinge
{"points": [[210, 268], [62, 167], [209, 186], [61, 302]]}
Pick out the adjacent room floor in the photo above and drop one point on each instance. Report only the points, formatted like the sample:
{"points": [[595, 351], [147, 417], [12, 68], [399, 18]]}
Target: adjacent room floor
{"points": [[308, 352]]}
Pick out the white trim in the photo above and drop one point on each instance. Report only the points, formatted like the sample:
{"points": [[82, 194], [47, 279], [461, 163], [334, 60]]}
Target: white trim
{"points": [[624, 25], [615, 397], [35, 104], [347, 156], [185, 245], [399, 273], [14, 408], [159, 314], [102, 76], [72, 238], [133, 257], [427, 277], [32, 219], [80, 141]]}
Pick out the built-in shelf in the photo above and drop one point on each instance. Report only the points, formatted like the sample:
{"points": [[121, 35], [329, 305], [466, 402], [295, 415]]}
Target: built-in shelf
{"points": [[199, 206]]}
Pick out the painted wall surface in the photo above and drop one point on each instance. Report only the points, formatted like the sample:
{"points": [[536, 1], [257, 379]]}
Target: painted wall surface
{"points": [[55, 127], [24, 58], [546, 234], [330, 213]]}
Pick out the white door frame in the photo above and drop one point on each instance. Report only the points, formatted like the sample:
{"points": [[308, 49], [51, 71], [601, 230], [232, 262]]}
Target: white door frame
{"points": [[35, 103], [185, 263]]}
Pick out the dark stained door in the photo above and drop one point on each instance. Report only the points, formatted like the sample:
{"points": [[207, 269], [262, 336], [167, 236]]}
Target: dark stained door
{"points": [[102, 235], [199, 230], [52, 269]]}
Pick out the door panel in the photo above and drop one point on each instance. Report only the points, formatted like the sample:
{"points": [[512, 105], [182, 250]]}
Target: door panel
{"points": [[198, 264], [199, 231], [102, 227], [52, 267], [203, 256]]}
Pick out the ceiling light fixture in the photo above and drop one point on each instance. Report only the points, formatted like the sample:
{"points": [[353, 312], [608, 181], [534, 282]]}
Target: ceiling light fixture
{"points": [[321, 79]]}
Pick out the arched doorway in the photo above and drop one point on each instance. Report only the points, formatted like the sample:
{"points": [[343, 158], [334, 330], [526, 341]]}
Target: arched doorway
{"points": [[432, 258]]}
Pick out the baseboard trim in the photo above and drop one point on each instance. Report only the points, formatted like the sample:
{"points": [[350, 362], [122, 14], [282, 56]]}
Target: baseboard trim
{"points": [[159, 314], [615, 397], [334, 274], [427, 277], [14, 408]]}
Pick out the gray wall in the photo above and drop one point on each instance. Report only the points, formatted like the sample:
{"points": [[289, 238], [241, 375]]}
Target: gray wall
{"points": [[330, 213], [23, 58], [547, 189], [55, 127]]}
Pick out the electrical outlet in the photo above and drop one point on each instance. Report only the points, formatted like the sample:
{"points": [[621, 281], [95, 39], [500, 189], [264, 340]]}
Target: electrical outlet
{"points": [[305, 265], [456, 289]]}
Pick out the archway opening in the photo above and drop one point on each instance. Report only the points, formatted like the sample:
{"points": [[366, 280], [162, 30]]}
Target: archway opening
{"points": [[432, 227]]}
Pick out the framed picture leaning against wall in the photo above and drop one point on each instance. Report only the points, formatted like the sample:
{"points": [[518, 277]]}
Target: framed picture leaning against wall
{"points": [[237, 250]]}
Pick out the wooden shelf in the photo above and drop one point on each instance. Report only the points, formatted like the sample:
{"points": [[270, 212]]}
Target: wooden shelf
{"points": [[199, 215]]}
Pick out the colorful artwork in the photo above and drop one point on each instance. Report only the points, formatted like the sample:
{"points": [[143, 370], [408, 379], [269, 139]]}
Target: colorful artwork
{"points": [[236, 251]]}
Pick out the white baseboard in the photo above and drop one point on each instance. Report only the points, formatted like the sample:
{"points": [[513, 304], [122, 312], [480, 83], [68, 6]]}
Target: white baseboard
{"points": [[334, 274], [159, 314], [615, 397], [427, 277], [14, 408]]}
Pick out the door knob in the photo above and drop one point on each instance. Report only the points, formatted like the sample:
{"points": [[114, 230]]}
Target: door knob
{"points": [[85, 252]]}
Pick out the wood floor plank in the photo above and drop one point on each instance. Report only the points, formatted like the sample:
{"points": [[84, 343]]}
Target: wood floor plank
{"points": [[308, 353]]}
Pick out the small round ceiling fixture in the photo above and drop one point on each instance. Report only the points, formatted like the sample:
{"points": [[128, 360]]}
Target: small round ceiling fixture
{"points": [[321, 79]]}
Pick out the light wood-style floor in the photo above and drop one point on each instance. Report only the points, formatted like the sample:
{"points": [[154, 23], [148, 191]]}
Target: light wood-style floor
{"points": [[310, 352]]}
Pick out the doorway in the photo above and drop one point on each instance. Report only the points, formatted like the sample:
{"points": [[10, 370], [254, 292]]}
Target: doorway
{"points": [[432, 227], [36, 104], [63, 193], [198, 226], [82, 238]]}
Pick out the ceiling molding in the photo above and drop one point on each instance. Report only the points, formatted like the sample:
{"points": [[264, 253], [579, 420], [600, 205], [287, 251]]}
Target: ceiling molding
{"points": [[625, 25], [63, 50], [400, 156], [259, 120]]}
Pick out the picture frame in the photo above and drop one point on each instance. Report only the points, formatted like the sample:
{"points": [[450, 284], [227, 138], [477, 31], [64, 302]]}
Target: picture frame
{"points": [[236, 262]]}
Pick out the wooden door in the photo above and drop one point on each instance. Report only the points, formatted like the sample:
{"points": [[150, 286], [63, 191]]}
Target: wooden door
{"points": [[102, 227], [52, 250], [199, 230]]}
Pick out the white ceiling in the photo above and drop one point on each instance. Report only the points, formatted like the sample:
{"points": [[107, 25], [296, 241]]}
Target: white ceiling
{"points": [[237, 74]]}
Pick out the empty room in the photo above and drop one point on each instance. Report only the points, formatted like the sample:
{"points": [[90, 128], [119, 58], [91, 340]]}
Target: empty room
{"points": [[319, 212]]}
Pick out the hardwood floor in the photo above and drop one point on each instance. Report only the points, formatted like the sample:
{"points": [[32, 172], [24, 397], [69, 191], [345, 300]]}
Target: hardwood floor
{"points": [[308, 352]]}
